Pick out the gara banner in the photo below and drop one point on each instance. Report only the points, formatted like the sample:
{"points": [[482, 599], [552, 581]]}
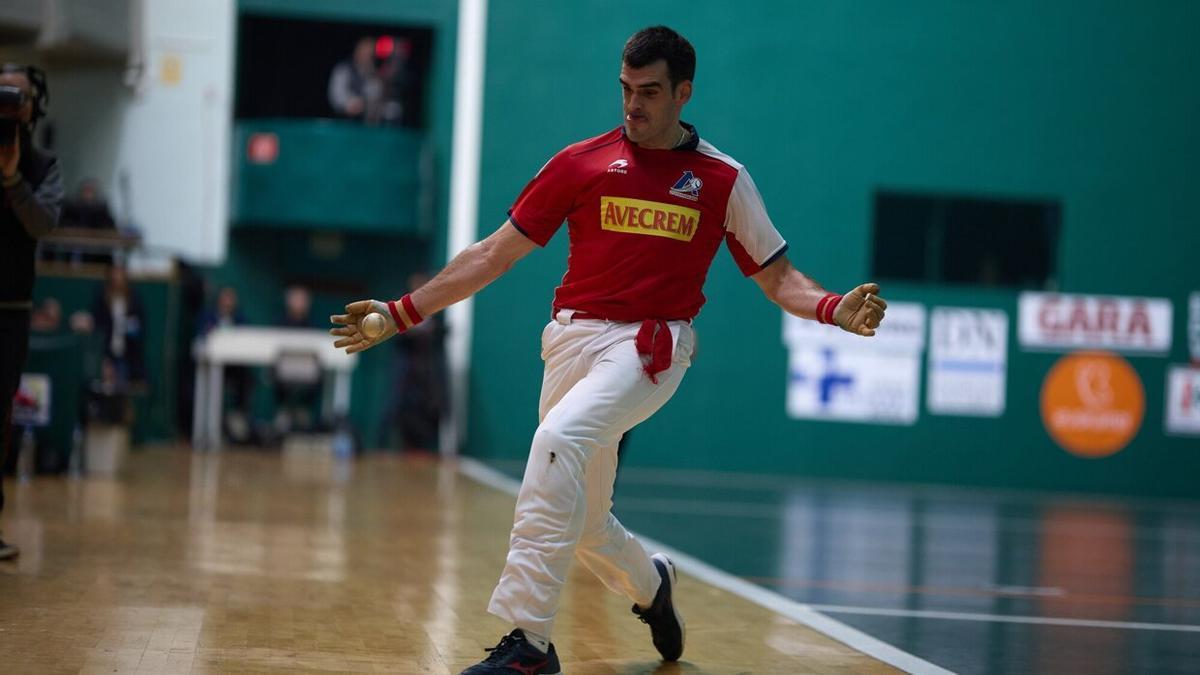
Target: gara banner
{"points": [[1055, 321]]}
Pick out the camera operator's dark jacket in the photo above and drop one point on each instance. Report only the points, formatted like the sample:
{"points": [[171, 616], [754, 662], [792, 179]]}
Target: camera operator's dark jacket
{"points": [[28, 210]]}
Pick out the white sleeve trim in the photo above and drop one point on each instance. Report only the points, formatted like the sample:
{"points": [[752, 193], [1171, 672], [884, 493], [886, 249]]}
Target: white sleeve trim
{"points": [[747, 220]]}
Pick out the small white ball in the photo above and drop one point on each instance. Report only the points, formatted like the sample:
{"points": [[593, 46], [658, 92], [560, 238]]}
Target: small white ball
{"points": [[372, 325]]}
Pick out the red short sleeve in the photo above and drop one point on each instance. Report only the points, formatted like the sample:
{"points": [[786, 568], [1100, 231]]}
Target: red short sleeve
{"points": [[546, 201]]}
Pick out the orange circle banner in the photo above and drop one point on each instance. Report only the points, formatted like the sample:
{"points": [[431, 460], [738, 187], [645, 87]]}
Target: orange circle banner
{"points": [[1092, 403]]}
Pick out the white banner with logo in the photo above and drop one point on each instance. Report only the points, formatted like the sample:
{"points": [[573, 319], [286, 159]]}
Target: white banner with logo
{"points": [[834, 375], [1117, 323], [968, 361], [1183, 400], [31, 404]]}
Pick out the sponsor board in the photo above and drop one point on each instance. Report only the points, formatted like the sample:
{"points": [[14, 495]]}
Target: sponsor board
{"points": [[31, 403], [834, 375], [1183, 401], [1092, 403], [968, 361], [828, 382], [1125, 324]]}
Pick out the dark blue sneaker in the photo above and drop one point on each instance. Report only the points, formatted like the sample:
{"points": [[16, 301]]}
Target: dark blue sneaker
{"points": [[666, 626], [514, 654]]}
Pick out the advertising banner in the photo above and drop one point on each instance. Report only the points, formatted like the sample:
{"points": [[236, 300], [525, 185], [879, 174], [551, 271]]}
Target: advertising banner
{"points": [[1068, 322], [968, 360], [834, 375], [1183, 400]]}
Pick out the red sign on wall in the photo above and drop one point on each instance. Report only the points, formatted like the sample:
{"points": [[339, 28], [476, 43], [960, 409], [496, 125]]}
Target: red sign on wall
{"points": [[262, 148]]}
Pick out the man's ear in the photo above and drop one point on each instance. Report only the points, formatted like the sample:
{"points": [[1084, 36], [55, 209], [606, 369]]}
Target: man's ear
{"points": [[683, 92]]}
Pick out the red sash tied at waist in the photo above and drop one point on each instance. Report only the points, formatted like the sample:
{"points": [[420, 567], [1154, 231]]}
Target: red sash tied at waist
{"points": [[653, 341]]}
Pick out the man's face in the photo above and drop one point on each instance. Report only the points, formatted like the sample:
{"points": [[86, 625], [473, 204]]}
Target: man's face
{"points": [[298, 302], [364, 53], [226, 301], [651, 108], [19, 80]]}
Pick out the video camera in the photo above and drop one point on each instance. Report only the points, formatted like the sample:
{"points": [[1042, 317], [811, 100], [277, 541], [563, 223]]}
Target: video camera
{"points": [[12, 100]]}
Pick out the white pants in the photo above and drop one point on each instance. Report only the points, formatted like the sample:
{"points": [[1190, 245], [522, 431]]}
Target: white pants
{"points": [[593, 391]]}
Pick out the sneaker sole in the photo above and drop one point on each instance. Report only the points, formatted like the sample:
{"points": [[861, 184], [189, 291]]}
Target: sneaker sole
{"points": [[671, 578]]}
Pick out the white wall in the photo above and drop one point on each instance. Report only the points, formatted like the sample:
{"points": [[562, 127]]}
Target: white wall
{"points": [[160, 147]]}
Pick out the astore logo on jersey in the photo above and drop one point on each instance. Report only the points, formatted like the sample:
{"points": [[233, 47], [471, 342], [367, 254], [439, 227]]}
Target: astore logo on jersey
{"points": [[638, 216], [688, 186], [618, 166]]}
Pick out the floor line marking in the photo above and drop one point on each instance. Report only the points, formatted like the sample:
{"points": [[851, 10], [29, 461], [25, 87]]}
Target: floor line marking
{"points": [[1000, 618], [804, 614]]}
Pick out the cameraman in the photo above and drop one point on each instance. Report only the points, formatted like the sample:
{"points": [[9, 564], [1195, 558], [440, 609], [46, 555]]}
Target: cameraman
{"points": [[31, 198]]}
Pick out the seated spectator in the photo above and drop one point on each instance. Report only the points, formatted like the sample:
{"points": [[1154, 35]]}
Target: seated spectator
{"points": [[297, 308], [297, 378], [87, 209], [46, 317], [238, 379], [225, 312]]}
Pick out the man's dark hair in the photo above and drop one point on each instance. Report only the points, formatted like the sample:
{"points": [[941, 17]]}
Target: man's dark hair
{"points": [[659, 42], [37, 83]]}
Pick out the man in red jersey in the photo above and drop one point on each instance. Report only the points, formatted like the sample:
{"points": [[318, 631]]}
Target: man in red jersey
{"points": [[647, 206]]}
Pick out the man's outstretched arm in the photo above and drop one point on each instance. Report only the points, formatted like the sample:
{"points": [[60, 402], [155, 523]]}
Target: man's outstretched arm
{"points": [[469, 272], [858, 311]]}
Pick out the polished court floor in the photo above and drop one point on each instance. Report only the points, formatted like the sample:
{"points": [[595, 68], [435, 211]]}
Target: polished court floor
{"points": [[973, 581], [249, 563]]}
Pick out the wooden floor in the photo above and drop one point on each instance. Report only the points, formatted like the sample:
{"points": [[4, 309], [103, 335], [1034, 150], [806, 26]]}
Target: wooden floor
{"points": [[293, 563]]}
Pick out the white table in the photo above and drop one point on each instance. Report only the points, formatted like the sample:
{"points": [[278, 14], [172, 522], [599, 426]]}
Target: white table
{"points": [[259, 346]]}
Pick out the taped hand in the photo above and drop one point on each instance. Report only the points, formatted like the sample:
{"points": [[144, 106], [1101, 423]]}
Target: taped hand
{"points": [[349, 332], [860, 310]]}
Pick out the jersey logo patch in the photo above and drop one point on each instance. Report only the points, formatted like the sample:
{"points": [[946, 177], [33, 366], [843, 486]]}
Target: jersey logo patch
{"points": [[638, 216], [618, 166], [688, 187]]}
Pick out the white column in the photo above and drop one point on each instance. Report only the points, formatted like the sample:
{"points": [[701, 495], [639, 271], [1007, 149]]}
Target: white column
{"points": [[464, 203]]}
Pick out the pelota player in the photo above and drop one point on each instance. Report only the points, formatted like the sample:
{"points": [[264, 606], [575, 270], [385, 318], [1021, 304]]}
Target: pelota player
{"points": [[647, 206]]}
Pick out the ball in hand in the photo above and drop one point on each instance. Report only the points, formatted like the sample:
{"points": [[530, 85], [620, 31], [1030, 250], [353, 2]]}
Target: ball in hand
{"points": [[372, 325]]}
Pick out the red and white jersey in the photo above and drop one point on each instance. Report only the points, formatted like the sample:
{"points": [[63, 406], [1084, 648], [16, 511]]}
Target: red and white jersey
{"points": [[645, 224]]}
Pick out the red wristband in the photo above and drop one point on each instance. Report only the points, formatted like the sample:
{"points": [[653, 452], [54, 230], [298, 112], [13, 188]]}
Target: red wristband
{"points": [[826, 307], [411, 309], [404, 313]]}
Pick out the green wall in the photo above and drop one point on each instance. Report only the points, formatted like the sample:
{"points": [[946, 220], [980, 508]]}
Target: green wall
{"points": [[379, 191], [264, 254], [825, 102]]}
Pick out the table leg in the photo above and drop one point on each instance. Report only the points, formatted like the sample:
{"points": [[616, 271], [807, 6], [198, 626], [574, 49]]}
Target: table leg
{"points": [[341, 393], [216, 390], [200, 407]]}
